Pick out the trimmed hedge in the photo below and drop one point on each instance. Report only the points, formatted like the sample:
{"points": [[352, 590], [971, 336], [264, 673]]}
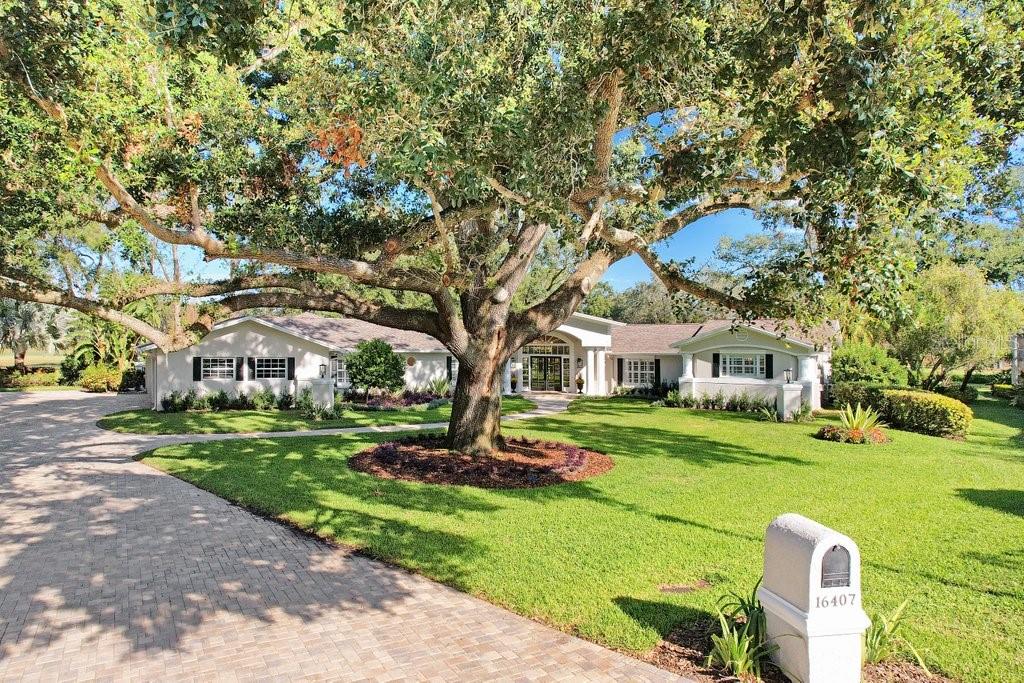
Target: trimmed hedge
{"points": [[100, 378], [1004, 390], [926, 413], [32, 378], [968, 395], [914, 410]]}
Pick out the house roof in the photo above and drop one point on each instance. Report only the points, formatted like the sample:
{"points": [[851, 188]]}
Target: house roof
{"points": [[661, 338], [345, 333]]}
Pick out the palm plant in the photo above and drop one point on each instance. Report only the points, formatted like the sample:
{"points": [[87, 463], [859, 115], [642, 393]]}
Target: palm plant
{"points": [[862, 419], [26, 325]]}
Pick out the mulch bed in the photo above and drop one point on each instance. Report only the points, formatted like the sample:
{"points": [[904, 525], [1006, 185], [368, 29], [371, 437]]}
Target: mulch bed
{"points": [[686, 648], [522, 463]]}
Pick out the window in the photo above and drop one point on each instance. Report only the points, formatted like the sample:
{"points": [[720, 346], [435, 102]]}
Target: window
{"points": [[639, 372], [339, 373], [547, 346], [743, 365], [218, 368], [271, 368]]}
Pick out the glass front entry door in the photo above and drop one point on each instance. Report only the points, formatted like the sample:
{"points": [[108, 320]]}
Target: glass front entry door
{"points": [[545, 373]]}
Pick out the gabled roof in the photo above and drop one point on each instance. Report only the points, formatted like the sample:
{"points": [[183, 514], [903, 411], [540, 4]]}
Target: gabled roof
{"points": [[345, 333], [664, 338]]}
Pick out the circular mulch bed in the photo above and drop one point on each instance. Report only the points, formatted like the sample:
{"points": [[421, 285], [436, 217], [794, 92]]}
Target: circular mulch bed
{"points": [[522, 463]]}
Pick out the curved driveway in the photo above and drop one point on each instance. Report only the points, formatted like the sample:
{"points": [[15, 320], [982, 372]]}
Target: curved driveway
{"points": [[112, 570]]}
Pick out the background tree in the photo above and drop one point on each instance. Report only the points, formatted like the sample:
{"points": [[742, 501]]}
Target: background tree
{"points": [[957, 321], [25, 326], [375, 365], [853, 362], [330, 151]]}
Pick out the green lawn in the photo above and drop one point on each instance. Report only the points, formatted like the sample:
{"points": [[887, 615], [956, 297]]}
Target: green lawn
{"points": [[34, 358], [241, 421], [938, 521]]}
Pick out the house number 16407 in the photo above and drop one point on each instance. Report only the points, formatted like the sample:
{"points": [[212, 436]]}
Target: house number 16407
{"points": [[840, 600]]}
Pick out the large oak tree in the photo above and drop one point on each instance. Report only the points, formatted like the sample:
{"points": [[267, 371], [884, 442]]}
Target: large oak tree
{"points": [[403, 162]]}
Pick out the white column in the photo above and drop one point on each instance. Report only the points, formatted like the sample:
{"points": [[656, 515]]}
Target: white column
{"points": [[602, 367], [506, 379], [687, 366], [809, 378], [588, 389]]}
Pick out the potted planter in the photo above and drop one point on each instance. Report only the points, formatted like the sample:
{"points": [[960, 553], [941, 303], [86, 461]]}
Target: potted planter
{"points": [[579, 385], [514, 381]]}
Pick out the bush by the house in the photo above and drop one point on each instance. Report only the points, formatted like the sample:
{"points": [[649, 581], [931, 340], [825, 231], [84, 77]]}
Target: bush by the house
{"points": [[1007, 391], [866, 363], [648, 391], [217, 401], [858, 425], [740, 402], [35, 377], [100, 378], [132, 379], [914, 410], [994, 377], [71, 368], [375, 365], [934, 414]]}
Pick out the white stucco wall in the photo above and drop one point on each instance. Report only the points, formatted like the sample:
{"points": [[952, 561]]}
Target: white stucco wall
{"points": [[671, 368], [174, 370], [428, 367]]}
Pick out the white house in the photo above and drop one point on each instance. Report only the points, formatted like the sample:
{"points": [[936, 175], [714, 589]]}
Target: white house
{"points": [[287, 353]]}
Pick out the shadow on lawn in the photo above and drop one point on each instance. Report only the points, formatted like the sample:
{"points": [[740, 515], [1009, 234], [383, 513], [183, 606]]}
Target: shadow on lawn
{"points": [[1009, 501], [661, 617]]}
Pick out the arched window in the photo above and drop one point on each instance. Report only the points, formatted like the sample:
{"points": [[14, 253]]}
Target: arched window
{"points": [[547, 346], [835, 567]]}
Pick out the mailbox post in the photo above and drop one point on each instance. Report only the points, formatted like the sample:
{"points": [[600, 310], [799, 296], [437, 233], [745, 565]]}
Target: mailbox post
{"points": [[812, 601]]}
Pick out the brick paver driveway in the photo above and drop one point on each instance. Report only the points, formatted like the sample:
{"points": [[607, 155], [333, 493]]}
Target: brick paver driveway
{"points": [[111, 570]]}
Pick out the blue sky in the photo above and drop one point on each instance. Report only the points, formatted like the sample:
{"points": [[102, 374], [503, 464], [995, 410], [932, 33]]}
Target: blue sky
{"points": [[697, 241]]}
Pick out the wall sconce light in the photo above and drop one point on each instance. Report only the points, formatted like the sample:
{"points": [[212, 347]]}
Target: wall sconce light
{"points": [[323, 370], [579, 363], [789, 375]]}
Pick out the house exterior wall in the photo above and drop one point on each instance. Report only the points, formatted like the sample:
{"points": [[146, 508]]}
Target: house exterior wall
{"points": [[671, 368], [782, 360], [248, 339], [428, 367]]}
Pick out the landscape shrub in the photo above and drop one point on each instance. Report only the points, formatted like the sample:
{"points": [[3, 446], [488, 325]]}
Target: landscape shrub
{"points": [[867, 363], [375, 365], [741, 402], [439, 387], [860, 425], [927, 413], [132, 379], [304, 401], [264, 399], [99, 378], [71, 368], [967, 395], [1007, 391], [864, 393], [285, 401], [993, 377], [33, 378]]}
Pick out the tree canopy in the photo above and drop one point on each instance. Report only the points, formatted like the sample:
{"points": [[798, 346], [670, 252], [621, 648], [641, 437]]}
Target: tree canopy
{"points": [[332, 151]]}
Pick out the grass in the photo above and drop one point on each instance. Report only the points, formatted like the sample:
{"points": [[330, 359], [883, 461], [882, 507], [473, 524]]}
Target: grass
{"points": [[940, 522], [33, 358], [241, 421]]}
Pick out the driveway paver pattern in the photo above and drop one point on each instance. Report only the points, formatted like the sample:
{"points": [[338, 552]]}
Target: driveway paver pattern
{"points": [[110, 570]]}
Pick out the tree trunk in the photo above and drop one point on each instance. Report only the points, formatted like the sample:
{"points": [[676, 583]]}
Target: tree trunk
{"points": [[475, 425], [19, 360], [967, 377]]}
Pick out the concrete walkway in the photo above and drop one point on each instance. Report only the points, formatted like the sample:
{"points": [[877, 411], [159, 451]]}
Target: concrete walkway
{"points": [[110, 570]]}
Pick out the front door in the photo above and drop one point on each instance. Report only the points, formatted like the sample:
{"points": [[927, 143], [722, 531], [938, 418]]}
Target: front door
{"points": [[545, 373]]}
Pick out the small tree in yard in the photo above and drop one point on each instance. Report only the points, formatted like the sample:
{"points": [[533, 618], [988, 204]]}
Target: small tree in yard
{"points": [[867, 363], [375, 365]]}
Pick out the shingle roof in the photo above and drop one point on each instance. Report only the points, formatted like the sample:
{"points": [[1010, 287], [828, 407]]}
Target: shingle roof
{"points": [[345, 333], [659, 338]]}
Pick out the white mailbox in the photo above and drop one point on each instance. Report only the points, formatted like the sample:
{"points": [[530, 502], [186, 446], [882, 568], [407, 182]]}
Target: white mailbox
{"points": [[812, 601]]}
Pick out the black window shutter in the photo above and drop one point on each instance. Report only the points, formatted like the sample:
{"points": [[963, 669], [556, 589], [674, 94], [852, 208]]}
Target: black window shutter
{"points": [[252, 368], [239, 364], [291, 367], [197, 369], [716, 363], [769, 365], [657, 372], [449, 364], [619, 369]]}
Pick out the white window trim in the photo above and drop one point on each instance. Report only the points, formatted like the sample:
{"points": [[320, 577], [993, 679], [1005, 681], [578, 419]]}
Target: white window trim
{"points": [[339, 371], [270, 367], [637, 370], [217, 368], [757, 364]]}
